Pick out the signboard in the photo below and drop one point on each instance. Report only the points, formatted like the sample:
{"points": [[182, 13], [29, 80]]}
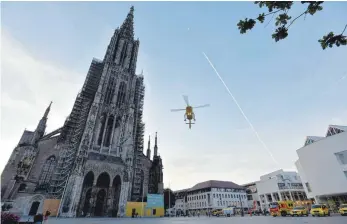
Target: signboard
{"points": [[155, 201], [252, 189]]}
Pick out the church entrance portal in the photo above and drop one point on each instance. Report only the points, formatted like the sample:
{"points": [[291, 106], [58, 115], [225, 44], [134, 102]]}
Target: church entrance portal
{"points": [[116, 185], [87, 183], [102, 182], [100, 200], [34, 207]]}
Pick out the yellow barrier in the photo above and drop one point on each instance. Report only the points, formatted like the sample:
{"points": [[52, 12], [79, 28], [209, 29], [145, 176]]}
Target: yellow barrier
{"points": [[51, 205], [136, 207]]}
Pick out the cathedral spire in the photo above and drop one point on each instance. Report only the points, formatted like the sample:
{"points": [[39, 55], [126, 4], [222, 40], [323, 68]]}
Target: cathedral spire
{"points": [[156, 145], [41, 127], [127, 28], [149, 148], [47, 110]]}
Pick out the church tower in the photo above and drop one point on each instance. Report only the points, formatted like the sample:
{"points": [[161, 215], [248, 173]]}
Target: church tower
{"points": [[109, 108], [156, 145], [156, 171], [149, 148], [41, 127]]}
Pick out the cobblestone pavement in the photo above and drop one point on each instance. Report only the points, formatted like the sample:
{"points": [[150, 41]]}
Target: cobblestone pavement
{"points": [[336, 219]]}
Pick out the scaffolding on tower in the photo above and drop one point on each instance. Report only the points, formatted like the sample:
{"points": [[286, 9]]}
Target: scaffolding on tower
{"points": [[73, 129], [139, 128]]}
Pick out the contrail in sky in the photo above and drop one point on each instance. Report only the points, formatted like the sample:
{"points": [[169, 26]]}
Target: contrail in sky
{"points": [[244, 115]]}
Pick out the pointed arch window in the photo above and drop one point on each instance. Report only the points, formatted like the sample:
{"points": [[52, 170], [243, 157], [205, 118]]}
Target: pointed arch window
{"points": [[110, 90], [101, 132], [47, 170], [109, 131], [123, 54], [121, 94], [118, 122]]}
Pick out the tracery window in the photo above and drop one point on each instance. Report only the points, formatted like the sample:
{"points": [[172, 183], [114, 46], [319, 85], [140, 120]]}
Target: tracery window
{"points": [[47, 170], [101, 132], [110, 90], [22, 188], [121, 94], [123, 53], [108, 131]]}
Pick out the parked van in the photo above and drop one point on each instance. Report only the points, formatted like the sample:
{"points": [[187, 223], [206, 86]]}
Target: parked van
{"points": [[228, 212]]}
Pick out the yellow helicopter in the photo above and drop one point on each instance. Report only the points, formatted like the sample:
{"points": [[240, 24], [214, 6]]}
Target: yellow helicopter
{"points": [[189, 111]]}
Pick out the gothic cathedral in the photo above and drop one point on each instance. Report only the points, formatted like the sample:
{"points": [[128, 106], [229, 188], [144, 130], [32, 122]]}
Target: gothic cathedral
{"points": [[95, 163]]}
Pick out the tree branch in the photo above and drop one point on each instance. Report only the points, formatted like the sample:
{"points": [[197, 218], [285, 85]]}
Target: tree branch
{"points": [[273, 12], [296, 18], [344, 29], [273, 15]]}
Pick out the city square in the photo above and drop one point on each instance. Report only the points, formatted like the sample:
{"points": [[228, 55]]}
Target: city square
{"points": [[89, 136], [206, 220]]}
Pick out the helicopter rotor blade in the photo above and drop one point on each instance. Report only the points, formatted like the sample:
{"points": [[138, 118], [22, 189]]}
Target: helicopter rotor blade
{"points": [[174, 110], [186, 99], [206, 105]]}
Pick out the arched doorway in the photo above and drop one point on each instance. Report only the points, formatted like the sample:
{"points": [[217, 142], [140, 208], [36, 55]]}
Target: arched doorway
{"points": [[100, 200], [87, 192], [102, 182], [86, 206], [116, 185], [34, 207]]}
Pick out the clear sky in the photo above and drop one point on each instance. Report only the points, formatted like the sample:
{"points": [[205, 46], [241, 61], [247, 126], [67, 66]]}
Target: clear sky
{"points": [[288, 89]]}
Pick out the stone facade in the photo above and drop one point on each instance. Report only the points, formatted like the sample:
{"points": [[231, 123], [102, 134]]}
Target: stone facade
{"points": [[95, 161], [25, 179]]}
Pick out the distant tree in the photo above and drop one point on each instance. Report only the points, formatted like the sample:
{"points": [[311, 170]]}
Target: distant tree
{"points": [[168, 192], [284, 21]]}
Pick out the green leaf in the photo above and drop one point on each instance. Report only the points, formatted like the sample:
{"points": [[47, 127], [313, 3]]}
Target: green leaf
{"points": [[279, 5], [313, 7], [245, 25], [330, 40], [280, 33], [261, 17], [282, 19]]}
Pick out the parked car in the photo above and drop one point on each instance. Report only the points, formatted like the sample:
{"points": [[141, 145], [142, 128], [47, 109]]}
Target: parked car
{"points": [[299, 211], [320, 210], [343, 209], [228, 212]]}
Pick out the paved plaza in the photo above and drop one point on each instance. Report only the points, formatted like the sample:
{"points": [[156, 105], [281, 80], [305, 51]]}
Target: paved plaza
{"points": [[336, 219]]}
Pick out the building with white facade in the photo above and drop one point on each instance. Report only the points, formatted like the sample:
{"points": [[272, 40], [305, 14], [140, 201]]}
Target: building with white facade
{"points": [[181, 201], [322, 165], [213, 194], [277, 186], [253, 199]]}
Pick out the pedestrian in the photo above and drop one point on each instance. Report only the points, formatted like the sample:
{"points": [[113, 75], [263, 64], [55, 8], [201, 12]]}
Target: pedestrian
{"points": [[45, 217], [38, 219]]}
